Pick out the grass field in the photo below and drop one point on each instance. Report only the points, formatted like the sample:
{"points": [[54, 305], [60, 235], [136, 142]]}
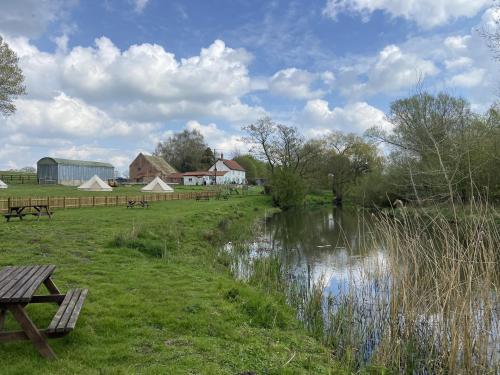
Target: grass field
{"points": [[30, 190], [159, 302]]}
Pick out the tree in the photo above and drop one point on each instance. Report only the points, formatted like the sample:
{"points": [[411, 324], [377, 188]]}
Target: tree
{"points": [[254, 168], [207, 159], [185, 151], [492, 36], [11, 79], [28, 170], [286, 153], [280, 146], [346, 158], [440, 148]]}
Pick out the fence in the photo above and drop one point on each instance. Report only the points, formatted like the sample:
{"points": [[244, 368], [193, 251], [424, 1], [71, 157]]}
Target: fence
{"points": [[98, 201], [19, 178]]}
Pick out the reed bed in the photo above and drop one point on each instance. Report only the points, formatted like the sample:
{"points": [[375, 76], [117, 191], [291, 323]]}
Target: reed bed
{"points": [[429, 305]]}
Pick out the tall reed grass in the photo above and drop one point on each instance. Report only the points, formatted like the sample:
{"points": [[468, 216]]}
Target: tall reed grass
{"points": [[428, 306]]}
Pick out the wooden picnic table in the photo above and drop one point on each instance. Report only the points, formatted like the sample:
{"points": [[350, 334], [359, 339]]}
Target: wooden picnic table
{"points": [[18, 211], [17, 288], [141, 203]]}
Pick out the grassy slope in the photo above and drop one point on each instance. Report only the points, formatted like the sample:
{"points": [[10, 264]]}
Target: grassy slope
{"points": [[155, 315]]}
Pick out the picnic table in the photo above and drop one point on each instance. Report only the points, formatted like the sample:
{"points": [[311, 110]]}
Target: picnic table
{"points": [[140, 203], [203, 197], [19, 211], [17, 288]]}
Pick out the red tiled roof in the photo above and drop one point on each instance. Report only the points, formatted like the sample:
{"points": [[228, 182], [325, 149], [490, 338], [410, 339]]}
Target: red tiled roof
{"points": [[175, 175], [204, 173], [234, 165]]}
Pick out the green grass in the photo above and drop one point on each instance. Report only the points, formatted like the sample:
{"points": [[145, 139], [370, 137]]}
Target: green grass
{"points": [[159, 302], [31, 190]]}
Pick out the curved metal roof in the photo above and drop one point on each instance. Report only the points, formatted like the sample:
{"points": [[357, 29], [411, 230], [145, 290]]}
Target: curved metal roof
{"points": [[81, 163]]}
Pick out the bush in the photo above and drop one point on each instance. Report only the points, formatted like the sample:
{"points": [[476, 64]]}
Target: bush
{"points": [[288, 189]]}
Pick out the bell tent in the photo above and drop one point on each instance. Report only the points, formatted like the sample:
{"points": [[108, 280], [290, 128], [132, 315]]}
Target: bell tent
{"points": [[157, 186], [95, 184], [3, 185]]}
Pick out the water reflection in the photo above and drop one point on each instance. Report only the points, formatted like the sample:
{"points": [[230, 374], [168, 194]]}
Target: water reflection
{"points": [[335, 249], [325, 244]]}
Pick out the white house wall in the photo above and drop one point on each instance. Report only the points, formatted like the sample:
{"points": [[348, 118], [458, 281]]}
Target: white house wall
{"points": [[232, 176]]}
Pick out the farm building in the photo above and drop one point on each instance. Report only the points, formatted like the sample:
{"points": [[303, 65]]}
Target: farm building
{"points": [[145, 168], [235, 173], [71, 172], [203, 178]]}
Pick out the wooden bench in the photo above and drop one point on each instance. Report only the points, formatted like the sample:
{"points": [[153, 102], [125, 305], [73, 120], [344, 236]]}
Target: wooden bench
{"points": [[65, 319], [202, 197], [10, 216], [143, 204], [40, 210]]}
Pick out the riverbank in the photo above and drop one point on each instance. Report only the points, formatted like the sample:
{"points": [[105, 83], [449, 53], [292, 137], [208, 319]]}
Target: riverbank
{"points": [[159, 301]]}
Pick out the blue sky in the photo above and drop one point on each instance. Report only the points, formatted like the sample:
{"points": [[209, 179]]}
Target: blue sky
{"points": [[109, 79]]}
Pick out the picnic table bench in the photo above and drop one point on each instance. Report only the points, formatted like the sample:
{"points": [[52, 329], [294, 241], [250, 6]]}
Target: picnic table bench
{"points": [[17, 288], [19, 211], [203, 197], [140, 203]]}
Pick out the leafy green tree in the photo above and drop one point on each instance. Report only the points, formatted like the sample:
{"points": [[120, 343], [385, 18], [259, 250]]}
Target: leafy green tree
{"points": [[254, 167], [284, 150], [207, 159], [186, 151], [287, 188], [11, 79], [346, 158], [440, 148]]}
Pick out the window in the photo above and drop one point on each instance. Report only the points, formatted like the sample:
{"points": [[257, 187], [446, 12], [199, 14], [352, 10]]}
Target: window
{"points": [[190, 179]]}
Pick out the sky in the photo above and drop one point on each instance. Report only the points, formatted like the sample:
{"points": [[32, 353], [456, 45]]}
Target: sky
{"points": [[107, 79]]}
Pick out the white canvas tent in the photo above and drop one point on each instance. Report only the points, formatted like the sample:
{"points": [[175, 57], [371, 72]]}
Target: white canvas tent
{"points": [[95, 184], [157, 186], [3, 185]]}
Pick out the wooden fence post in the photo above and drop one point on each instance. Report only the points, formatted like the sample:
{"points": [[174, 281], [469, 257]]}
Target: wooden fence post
{"points": [[64, 202]]}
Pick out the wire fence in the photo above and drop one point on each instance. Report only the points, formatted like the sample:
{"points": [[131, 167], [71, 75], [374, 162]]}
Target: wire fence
{"points": [[18, 178]]}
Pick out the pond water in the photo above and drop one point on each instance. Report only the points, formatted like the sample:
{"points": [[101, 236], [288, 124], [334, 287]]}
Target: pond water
{"points": [[330, 246], [335, 251]]}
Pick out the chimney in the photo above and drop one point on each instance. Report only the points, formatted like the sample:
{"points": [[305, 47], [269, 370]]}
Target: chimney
{"points": [[222, 156]]}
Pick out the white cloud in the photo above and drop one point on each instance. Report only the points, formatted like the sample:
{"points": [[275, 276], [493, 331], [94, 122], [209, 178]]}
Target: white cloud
{"points": [[354, 117], [104, 94], [490, 18], [470, 78], [469, 66], [457, 42], [31, 17], [391, 71], [426, 13], [139, 5], [459, 62], [219, 139], [296, 83]]}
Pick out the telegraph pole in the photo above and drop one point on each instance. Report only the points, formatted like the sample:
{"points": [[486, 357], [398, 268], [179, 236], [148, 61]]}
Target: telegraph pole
{"points": [[215, 167]]}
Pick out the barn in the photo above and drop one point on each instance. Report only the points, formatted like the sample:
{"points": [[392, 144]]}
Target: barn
{"points": [[145, 168], [71, 172]]}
